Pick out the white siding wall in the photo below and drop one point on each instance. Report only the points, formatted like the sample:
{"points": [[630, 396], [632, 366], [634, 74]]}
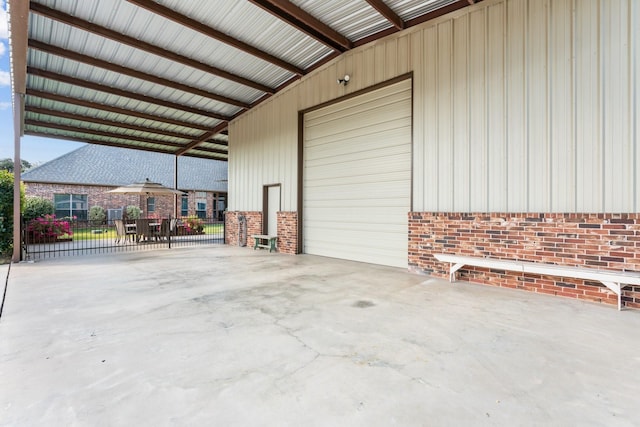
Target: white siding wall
{"points": [[519, 105]]}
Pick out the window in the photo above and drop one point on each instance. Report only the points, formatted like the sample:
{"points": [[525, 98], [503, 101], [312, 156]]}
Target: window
{"points": [[220, 207], [201, 204], [151, 205], [70, 205], [184, 210]]}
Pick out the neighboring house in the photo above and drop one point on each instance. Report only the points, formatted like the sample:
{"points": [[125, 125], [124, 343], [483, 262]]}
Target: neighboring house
{"points": [[82, 178]]}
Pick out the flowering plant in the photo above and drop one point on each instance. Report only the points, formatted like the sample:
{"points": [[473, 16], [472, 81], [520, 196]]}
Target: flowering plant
{"points": [[193, 223], [49, 226]]}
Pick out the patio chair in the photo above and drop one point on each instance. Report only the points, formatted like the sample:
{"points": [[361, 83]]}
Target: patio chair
{"points": [[167, 227], [143, 231], [122, 234], [163, 230]]}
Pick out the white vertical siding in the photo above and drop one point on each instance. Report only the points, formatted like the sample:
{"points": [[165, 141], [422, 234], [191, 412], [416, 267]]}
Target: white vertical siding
{"points": [[495, 106], [516, 110], [478, 166], [618, 148], [429, 162], [538, 179], [519, 105], [588, 108], [443, 99], [634, 93], [560, 110], [461, 190]]}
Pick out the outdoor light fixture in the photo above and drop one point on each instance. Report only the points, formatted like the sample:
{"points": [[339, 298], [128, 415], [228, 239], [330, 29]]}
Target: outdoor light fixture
{"points": [[343, 81]]}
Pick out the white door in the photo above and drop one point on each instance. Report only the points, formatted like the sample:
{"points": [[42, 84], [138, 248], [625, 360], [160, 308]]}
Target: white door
{"points": [[357, 177], [273, 206]]}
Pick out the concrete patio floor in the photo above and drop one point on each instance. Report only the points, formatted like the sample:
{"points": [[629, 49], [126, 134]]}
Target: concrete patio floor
{"points": [[223, 336]]}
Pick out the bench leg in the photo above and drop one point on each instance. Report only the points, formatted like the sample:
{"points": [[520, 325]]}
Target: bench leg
{"points": [[272, 244], [255, 245], [617, 288], [452, 270]]}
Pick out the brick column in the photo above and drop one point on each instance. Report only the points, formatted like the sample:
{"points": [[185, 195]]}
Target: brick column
{"points": [[254, 226], [288, 232]]}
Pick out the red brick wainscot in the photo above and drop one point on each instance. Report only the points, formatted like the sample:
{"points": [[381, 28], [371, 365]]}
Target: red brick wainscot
{"points": [[602, 241], [231, 230], [288, 232]]}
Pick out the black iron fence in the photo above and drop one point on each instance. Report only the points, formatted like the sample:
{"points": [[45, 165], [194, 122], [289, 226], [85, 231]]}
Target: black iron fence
{"points": [[53, 237]]}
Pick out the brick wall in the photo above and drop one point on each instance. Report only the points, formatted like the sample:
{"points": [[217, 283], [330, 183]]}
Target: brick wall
{"points": [[288, 232], [604, 241], [96, 195], [254, 226]]}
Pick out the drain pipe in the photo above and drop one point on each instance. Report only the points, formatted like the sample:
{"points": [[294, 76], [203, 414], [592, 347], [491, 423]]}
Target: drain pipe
{"points": [[242, 230]]}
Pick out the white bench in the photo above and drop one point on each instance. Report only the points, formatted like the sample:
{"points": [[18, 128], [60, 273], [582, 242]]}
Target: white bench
{"points": [[265, 241], [614, 280]]}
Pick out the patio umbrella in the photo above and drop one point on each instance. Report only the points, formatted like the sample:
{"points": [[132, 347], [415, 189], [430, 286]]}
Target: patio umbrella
{"points": [[148, 188]]}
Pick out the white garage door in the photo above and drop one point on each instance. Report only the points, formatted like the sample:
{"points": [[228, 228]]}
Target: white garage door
{"points": [[357, 177]]}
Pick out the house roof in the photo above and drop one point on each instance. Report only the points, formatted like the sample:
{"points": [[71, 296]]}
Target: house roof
{"points": [[168, 75], [111, 166]]}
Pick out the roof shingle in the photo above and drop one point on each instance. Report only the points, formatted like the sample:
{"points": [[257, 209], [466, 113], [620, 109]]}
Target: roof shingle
{"points": [[111, 166]]}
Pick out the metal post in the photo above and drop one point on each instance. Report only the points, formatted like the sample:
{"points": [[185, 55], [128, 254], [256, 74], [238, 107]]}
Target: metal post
{"points": [[169, 232], [175, 187], [17, 163]]}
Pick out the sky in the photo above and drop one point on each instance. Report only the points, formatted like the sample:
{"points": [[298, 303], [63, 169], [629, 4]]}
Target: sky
{"points": [[35, 150]]}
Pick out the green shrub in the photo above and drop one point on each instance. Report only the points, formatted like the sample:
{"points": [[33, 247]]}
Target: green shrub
{"points": [[36, 207], [97, 215], [133, 212], [6, 211]]}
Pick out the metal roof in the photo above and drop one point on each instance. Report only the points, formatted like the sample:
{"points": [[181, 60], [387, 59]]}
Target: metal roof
{"points": [[168, 75]]}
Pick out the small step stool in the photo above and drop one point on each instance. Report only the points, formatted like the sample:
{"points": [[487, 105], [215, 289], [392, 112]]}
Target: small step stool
{"points": [[264, 241]]}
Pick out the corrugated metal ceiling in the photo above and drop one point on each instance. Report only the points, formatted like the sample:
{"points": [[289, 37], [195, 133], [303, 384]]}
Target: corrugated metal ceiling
{"points": [[168, 75]]}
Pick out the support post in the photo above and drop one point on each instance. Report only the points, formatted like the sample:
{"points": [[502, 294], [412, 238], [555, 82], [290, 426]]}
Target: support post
{"points": [[17, 165]]}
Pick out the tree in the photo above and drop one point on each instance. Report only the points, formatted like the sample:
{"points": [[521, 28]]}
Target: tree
{"points": [[7, 165], [6, 211]]}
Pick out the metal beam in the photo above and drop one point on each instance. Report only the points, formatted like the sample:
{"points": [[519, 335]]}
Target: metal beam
{"points": [[104, 122], [460, 4], [388, 13], [452, 7], [148, 47], [305, 22], [118, 136], [174, 16], [194, 154], [211, 150], [111, 109], [64, 53], [123, 93], [217, 141], [203, 138], [98, 142]]}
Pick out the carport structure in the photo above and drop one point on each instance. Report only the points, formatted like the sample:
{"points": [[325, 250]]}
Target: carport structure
{"points": [[502, 128]]}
